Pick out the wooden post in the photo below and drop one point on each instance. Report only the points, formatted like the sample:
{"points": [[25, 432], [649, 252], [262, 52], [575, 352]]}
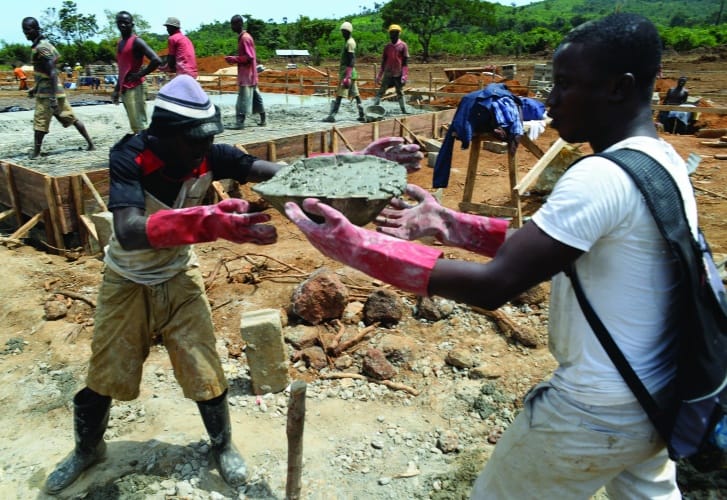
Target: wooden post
{"points": [[514, 195], [272, 151], [59, 203], [334, 142], [307, 146], [22, 230], [294, 431], [343, 138], [13, 192], [78, 208], [94, 192], [55, 224], [469, 183]]}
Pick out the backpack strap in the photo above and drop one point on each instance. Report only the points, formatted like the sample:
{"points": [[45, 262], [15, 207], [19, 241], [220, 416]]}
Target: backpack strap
{"points": [[664, 200]]}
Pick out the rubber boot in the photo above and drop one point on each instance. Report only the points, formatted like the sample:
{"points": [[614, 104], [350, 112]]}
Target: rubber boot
{"points": [[216, 417], [263, 120], [377, 100], [90, 418], [402, 105], [361, 116], [331, 118], [239, 124]]}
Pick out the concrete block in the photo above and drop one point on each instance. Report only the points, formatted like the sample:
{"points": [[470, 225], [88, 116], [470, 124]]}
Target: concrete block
{"points": [[432, 145], [265, 351], [104, 222], [495, 146], [432, 159]]}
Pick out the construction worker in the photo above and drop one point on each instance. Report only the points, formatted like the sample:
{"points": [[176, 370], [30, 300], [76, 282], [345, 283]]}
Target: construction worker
{"points": [[20, 77], [346, 76], [394, 71]]}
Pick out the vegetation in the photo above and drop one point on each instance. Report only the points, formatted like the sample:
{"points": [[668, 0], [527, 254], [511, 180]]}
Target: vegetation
{"points": [[432, 28]]}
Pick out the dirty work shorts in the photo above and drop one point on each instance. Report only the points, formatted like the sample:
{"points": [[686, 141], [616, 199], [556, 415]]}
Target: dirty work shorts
{"points": [[559, 448], [135, 104], [43, 114], [129, 315], [351, 91]]}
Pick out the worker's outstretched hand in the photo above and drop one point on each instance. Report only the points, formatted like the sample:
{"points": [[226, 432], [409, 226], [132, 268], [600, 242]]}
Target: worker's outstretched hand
{"points": [[403, 264], [483, 235], [395, 149], [227, 219], [410, 222]]}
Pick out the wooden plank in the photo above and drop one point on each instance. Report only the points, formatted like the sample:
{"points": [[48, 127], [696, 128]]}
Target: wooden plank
{"points": [[12, 193], [539, 166], [272, 151], [59, 206], [54, 220], [414, 136], [79, 209], [514, 194], [531, 146], [489, 210], [94, 192], [219, 190], [7, 213], [23, 230], [469, 183], [90, 227], [343, 138]]}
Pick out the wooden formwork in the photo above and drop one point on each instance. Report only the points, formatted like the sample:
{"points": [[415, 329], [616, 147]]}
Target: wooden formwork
{"points": [[62, 203]]}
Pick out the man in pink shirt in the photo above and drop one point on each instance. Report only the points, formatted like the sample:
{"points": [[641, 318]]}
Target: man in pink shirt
{"points": [[246, 59], [181, 58], [394, 71]]}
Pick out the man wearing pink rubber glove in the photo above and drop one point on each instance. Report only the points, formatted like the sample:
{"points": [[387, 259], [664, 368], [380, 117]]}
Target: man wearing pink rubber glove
{"points": [[583, 428], [152, 284], [482, 235]]}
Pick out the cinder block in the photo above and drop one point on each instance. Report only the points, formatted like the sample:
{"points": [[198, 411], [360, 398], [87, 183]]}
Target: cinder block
{"points": [[432, 159], [265, 351], [495, 146], [104, 222], [432, 145]]}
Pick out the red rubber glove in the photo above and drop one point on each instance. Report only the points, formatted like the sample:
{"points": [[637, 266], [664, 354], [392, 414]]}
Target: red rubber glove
{"points": [[394, 149], [379, 76], [403, 264], [227, 219], [346, 82], [404, 74], [476, 233]]}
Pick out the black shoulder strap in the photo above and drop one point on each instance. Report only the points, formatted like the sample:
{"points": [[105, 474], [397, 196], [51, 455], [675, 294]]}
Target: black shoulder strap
{"points": [[665, 202]]}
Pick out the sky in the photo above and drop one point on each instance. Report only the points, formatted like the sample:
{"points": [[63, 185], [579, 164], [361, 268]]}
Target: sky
{"points": [[190, 13]]}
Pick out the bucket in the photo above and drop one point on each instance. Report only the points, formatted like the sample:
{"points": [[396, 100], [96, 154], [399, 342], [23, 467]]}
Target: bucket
{"points": [[374, 113]]}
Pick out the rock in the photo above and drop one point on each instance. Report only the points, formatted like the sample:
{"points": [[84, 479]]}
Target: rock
{"points": [[383, 306], [353, 313], [314, 357], [460, 358], [398, 349], [448, 442], [375, 365], [433, 309], [55, 309], [485, 371], [535, 295], [343, 362], [301, 336], [319, 298]]}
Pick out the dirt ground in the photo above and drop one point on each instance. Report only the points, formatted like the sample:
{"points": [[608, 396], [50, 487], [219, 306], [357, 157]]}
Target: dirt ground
{"points": [[362, 440]]}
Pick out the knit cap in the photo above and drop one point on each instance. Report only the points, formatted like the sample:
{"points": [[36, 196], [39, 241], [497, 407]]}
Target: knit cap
{"points": [[183, 108]]}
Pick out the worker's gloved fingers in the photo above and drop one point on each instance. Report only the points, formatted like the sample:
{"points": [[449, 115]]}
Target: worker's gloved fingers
{"points": [[379, 146], [233, 205]]}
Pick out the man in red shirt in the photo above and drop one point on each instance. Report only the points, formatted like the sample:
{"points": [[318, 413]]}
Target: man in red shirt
{"points": [[394, 71], [130, 53], [181, 58], [246, 59]]}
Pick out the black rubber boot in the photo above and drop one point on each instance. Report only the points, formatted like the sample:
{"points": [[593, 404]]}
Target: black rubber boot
{"points": [[361, 116], [331, 118], [90, 418], [263, 120], [402, 105], [216, 417], [239, 124]]}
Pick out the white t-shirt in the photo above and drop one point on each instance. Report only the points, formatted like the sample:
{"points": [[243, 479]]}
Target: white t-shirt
{"points": [[626, 271]]}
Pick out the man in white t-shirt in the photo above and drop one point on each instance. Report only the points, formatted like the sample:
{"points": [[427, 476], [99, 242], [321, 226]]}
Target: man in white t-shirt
{"points": [[583, 428]]}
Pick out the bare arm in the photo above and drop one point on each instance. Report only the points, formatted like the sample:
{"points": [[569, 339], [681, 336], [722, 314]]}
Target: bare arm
{"points": [[527, 258], [130, 228], [141, 47]]}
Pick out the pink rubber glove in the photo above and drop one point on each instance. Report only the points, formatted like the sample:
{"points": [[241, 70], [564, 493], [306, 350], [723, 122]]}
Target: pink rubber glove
{"points": [[346, 82], [394, 149], [476, 233], [404, 264], [379, 76], [227, 219], [404, 74]]}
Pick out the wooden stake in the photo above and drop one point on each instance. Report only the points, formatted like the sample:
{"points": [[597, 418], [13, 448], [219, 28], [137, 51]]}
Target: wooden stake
{"points": [[414, 136], [294, 431], [53, 213], [343, 138], [13, 192], [94, 192], [23, 230]]}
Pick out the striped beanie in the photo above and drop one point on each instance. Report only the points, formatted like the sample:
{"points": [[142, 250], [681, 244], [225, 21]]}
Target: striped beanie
{"points": [[183, 108]]}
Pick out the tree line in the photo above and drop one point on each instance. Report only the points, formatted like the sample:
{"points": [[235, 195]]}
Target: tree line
{"points": [[467, 29]]}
